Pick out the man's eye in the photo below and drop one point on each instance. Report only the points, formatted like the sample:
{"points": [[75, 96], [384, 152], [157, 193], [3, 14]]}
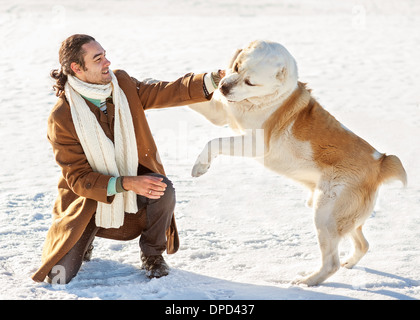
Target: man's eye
{"points": [[248, 83]]}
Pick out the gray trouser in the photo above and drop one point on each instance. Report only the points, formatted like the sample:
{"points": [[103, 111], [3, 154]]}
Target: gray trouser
{"points": [[152, 240]]}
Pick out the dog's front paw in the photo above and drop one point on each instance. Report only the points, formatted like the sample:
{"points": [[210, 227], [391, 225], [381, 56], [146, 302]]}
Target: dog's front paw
{"points": [[204, 159], [199, 169]]}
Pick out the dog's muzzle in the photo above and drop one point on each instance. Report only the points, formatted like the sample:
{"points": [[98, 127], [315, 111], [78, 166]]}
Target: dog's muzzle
{"points": [[225, 88]]}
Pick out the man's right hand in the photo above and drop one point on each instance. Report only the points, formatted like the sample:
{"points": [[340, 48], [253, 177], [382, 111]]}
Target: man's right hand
{"points": [[148, 186]]}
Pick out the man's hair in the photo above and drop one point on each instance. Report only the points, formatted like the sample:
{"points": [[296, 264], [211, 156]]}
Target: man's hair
{"points": [[70, 51]]}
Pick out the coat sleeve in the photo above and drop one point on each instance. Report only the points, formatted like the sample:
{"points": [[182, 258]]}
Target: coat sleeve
{"points": [[186, 90], [69, 155]]}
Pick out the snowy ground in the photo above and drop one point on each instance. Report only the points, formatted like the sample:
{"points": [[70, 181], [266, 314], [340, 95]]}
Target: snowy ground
{"points": [[245, 232]]}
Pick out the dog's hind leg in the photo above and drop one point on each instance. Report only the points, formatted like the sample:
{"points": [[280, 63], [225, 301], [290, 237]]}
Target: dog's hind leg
{"points": [[328, 239], [363, 201], [330, 260], [361, 246]]}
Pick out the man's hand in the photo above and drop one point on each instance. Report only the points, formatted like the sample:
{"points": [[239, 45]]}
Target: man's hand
{"points": [[148, 186], [217, 76]]}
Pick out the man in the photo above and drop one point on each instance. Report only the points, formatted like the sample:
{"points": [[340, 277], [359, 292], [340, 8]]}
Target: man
{"points": [[112, 184]]}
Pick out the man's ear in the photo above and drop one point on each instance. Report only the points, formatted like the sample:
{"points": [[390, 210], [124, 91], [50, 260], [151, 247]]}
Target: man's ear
{"points": [[76, 68]]}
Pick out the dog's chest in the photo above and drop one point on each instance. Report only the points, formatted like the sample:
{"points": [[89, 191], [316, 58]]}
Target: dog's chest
{"points": [[244, 120], [292, 157]]}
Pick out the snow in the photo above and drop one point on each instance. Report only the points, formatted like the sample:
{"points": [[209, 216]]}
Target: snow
{"points": [[245, 232]]}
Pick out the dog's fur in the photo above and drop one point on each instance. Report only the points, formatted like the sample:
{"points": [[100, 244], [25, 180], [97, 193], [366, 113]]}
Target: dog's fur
{"points": [[301, 141]]}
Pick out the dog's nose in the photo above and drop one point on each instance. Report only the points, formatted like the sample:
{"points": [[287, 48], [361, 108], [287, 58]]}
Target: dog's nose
{"points": [[224, 88]]}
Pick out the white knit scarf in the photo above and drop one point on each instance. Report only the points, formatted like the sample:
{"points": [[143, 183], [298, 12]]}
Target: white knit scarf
{"points": [[117, 159]]}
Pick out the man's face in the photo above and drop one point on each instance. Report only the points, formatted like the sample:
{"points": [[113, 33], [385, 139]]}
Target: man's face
{"points": [[96, 65]]}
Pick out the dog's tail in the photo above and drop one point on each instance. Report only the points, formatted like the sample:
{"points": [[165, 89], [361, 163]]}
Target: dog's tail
{"points": [[392, 169]]}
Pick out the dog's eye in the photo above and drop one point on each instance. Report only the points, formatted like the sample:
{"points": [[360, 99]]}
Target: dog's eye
{"points": [[248, 83], [235, 68]]}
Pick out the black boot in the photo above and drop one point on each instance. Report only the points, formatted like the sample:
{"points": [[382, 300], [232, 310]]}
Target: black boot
{"points": [[88, 253], [155, 266]]}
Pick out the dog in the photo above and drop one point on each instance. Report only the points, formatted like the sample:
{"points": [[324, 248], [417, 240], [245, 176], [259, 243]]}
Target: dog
{"points": [[261, 98]]}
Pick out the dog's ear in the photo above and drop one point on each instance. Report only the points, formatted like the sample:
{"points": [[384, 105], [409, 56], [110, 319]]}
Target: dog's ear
{"points": [[282, 74], [232, 61]]}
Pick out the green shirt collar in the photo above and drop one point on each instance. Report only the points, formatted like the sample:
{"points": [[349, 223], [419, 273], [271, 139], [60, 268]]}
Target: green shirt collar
{"points": [[96, 102]]}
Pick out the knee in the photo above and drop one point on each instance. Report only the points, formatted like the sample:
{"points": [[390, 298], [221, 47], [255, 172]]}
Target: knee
{"points": [[169, 193], [170, 190]]}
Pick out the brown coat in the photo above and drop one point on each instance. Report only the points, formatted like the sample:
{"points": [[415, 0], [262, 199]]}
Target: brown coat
{"points": [[80, 188]]}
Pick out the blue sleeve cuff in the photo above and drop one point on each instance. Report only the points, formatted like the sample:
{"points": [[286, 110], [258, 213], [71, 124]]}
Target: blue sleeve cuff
{"points": [[112, 189]]}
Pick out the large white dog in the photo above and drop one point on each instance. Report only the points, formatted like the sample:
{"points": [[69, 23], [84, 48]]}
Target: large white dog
{"points": [[261, 95]]}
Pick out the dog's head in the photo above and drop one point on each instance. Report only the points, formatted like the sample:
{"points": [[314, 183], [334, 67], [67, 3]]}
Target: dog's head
{"points": [[263, 69]]}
